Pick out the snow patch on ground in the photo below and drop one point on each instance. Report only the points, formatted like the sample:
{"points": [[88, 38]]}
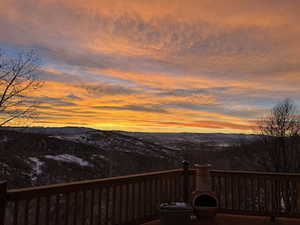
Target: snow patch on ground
{"points": [[69, 159], [37, 167], [100, 156]]}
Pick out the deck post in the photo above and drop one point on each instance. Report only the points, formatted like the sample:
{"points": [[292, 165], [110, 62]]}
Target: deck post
{"points": [[3, 191], [186, 183]]}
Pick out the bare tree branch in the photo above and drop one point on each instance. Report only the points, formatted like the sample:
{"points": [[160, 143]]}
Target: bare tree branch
{"points": [[280, 131], [17, 78]]}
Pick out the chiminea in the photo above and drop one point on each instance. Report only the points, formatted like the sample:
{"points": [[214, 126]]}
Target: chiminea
{"points": [[205, 203]]}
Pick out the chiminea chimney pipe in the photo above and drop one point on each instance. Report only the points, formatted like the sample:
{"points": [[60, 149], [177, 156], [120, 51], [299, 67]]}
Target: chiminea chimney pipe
{"points": [[203, 180]]}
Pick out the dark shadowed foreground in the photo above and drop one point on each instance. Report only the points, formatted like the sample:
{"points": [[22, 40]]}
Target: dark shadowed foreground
{"points": [[226, 219]]}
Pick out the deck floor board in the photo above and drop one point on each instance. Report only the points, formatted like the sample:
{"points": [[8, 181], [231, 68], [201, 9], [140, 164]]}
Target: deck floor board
{"points": [[226, 219]]}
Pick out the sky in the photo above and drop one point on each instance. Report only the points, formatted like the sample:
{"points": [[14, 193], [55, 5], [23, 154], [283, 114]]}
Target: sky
{"points": [[159, 65]]}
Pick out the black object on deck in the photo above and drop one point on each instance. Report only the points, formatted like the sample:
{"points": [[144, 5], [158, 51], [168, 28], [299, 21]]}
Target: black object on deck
{"points": [[175, 213]]}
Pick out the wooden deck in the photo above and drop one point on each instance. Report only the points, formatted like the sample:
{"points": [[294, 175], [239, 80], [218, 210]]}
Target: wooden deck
{"points": [[135, 199], [226, 219]]}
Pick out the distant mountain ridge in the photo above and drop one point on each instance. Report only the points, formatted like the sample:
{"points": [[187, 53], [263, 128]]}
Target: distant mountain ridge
{"points": [[31, 156], [50, 130], [74, 129]]}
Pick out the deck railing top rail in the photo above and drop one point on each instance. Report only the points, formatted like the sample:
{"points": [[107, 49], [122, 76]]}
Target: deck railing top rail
{"points": [[135, 198], [124, 200], [254, 173]]}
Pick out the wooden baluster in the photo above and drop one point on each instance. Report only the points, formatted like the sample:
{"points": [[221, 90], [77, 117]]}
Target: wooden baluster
{"points": [[133, 200], [272, 195], [222, 195], [145, 198], [107, 206], [278, 184], [37, 211], [113, 206], [213, 181], [159, 190], [232, 192], [245, 191], [193, 186], [144, 203], [170, 189], [140, 208], [47, 210], [226, 191], [174, 189], [3, 192], [265, 194], [275, 196], [290, 192], [167, 189], [120, 204], [84, 206], [295, 206], [219, 191], [157, 201], [156, 195], [163, 190], [75, 208], [286, 192], [57, 210], [252, 197], [67, 205], [100, 206], [92, 205], [239, 196], [216, 188], [26, 214], [186, 184], [283, 189], [151, 197], [127, 202], [180, 188], [258, 194], [278, 194], [16, 212]]}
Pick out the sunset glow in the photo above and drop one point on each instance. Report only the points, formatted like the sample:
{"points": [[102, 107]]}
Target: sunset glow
{"points": [[159, 65]]}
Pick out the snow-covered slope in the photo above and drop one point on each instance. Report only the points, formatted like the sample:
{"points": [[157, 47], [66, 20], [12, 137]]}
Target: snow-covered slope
{"points": [[46, 155]]}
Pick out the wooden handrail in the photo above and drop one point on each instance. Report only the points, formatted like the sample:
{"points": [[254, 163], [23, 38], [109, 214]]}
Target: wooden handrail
{"points": [[120, 200], [135, 199], [257, 193], [27, 193], [255, 173]]}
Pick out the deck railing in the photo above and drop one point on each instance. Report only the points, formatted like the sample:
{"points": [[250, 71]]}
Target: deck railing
{"points": [[135, 199], [257, 193], [119, 200]]}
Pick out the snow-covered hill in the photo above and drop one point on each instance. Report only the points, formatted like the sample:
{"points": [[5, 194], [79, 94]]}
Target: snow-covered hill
{"points": [[37, 156]]}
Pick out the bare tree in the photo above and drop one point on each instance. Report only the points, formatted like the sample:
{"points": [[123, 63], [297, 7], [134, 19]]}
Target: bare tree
{"points": [[17, 79], [280, 131], [281, 141]]}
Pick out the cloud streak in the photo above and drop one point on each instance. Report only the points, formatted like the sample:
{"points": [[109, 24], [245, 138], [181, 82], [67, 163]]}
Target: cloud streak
{"points": [[173, 61]]}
